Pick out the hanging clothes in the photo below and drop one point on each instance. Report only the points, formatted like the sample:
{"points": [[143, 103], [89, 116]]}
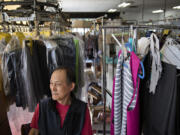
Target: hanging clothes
{"points": [[127, 93], [39, 68], [156, 67], [112, 110], [9, 59], [158, 111], [133, 112], [79, 71], [91, 46], [27, 69], [118, 97], [77, 64], [171, 52], [178, 103], [27, 78], [60, 51], [126, 97]]}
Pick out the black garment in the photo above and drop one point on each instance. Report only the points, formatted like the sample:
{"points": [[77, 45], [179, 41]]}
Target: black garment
{"points": [[63, 54], [39, 70], [158, 110], [27, 78], [49, 120], [178, 102], [14, 64], [41, 51]]}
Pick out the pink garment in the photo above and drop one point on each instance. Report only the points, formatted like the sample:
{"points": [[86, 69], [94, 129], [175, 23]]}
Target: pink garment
{"points": [[133, 118], [112, 107], [17, 116]]}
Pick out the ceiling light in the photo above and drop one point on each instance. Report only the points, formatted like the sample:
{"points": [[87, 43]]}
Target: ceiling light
{"points": [[124, 4], [176, 7], [158, 11], [112, 10], [11, 7]]}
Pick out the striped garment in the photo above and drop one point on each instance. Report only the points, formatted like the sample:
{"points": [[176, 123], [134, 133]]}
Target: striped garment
{"points": [[123, 95], [118, 97], [127, 93]]}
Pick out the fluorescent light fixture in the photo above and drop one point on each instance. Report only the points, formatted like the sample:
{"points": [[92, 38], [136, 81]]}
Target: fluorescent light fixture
{"points": [[18, 22], [124, 4], [176, 7], [157, 11], [112, 10], [11, 7], [24, 22]]}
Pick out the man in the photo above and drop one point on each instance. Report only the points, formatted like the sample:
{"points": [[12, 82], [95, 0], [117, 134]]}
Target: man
{"points": [[62, 114]]}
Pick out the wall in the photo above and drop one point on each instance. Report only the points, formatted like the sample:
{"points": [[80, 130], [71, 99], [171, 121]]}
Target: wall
{"points": [[148, 15]]}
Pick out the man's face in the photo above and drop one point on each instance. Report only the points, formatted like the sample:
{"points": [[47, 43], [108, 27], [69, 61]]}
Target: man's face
{"points": [[60, 89]]}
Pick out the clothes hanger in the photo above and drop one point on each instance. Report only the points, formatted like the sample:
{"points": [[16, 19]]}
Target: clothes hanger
{"points": [[124, 51], [117, 41], [134, 49], [143, 71]]}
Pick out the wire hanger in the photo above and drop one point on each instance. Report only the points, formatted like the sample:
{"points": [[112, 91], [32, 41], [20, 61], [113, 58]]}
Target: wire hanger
{"points": [[117, 41], [124, 51]]}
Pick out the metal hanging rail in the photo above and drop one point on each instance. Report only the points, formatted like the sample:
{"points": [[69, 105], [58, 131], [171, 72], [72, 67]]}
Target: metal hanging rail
{"points": [[26, 3], [33, 14], [104, 28], [142, 26]]}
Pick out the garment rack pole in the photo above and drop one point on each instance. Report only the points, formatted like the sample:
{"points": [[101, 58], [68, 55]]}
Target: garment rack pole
{"points": [[104, 80], [104, 28]]}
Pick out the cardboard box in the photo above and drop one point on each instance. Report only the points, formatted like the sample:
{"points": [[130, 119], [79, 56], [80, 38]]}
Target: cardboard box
{"points": [[81, 24]]}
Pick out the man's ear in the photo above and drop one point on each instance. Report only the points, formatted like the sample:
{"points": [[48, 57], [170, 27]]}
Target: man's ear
{"points": [[72, 86]]}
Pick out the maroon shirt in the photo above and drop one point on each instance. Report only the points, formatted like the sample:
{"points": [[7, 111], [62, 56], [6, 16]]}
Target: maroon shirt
{"points": [[63, 109]]}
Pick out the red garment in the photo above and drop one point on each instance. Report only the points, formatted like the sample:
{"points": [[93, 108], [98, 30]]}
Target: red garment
{"points": [[62, 109]]}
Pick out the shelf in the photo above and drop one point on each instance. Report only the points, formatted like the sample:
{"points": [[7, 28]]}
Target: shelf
{"points": [[28, 3]]}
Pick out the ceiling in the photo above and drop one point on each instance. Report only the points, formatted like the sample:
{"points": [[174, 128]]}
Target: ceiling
{"points": [[139, 9], [105, 5]]}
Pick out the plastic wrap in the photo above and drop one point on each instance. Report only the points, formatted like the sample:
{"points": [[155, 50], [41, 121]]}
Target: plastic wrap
{"points": [[8, 60], [2, 47], [51, 46], [60, 51], [81, 62], [81, 92], [27, 79], [24, 71]]}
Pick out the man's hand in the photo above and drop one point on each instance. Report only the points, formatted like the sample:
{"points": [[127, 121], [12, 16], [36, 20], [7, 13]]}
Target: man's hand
{"points": [[34, 131]]}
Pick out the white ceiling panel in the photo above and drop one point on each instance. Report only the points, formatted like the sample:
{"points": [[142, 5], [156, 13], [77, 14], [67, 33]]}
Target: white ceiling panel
{"points": [[105, 5], [88, 5]]}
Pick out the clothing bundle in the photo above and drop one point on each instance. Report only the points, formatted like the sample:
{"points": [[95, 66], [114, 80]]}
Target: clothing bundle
{"points": [[126, 98], [160, 111], [91, 46], [27, 68], [150, 106]]}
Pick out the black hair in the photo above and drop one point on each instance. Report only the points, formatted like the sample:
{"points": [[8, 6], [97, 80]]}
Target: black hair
{"points": [[70, 73]]}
